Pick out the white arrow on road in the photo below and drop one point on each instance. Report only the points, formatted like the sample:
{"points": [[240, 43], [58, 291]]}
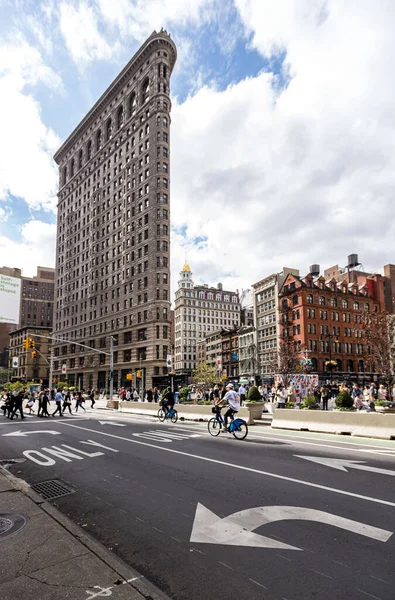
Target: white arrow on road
{"points": [[237, 529], [24, 433], [342, 464], [112, 423]]}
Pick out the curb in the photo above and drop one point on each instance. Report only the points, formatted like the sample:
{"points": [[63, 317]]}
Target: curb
{"points": [[120, 567]]}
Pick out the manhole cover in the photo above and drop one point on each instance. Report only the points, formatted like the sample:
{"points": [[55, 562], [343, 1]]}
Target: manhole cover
{"points": [[10, 524], [54, 488]]}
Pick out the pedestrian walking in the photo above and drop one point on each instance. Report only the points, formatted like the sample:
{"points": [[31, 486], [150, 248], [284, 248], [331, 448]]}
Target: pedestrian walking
{"points": [[242, 394], [18, 405], [79, 401], [58, 400], [150, 395], [44, 404], [136, 397], [9, 404], [92, 398], [30, 403], [67, 402]]}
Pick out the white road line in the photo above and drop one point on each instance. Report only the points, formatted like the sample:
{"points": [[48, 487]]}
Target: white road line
{"points": [[320, 573], [239, 467], [225, 565], [378, 579], [342, 564], [176, 539], [156, 529], [367, 594], [260, 585]]}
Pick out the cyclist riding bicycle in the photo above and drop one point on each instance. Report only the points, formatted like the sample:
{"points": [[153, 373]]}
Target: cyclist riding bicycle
{"points": [[168, 401], [233, 405]]}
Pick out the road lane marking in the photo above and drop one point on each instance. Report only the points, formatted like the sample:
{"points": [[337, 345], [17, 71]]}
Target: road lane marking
{"points": [[237, 529], [320, 573], [260, 585], [341, 464], [367, 594], [225, 565], [378, 579], [382, 451], [21, 433], [239, 467]]}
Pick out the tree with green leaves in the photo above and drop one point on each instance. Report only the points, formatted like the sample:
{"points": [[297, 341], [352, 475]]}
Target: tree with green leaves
{"points": [[205, 376]]}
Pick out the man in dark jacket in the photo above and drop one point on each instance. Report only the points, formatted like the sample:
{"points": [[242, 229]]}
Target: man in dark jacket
{"points": [[18, 405], [168, 401]]}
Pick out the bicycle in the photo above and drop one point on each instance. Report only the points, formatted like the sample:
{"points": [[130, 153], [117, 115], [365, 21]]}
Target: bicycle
{"points": [[164, 414], [238, 427]]}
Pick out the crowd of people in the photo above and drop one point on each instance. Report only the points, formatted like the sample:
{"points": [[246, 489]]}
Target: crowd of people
{"points": [[364, 396], [13, 403]]}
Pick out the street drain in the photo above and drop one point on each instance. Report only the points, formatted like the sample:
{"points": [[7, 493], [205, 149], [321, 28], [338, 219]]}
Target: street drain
{"points": [[10, 524], [54, 488]]}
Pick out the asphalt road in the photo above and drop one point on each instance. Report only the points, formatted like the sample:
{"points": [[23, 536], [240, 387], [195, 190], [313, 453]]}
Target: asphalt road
{"points": [[218, 518]]}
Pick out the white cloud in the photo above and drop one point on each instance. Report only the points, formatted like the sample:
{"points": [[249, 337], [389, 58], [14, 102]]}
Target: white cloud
{"points": [[80, 29], [138, 18], [37, 247], [26, 167], [295, 176]]}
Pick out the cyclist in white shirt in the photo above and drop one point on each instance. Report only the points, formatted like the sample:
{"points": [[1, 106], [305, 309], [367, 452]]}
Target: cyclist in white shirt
{"points": [[233, 405]]}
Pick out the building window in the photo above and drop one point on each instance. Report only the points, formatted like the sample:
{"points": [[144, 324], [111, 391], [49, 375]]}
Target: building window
{"points": [[309, 299], [295, 300], [322, 300]]}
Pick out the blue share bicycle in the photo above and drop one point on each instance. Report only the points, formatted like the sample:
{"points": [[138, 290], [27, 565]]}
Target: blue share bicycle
{"points": [[238, 427], [164, 414]]}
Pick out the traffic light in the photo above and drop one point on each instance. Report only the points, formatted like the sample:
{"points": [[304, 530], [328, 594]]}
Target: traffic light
{"points": [[129, 376], [34, 354], [32, 343], [26, 344], [139, 375]]}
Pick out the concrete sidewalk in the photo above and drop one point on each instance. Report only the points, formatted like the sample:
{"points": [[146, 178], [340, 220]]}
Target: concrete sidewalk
{"points": [[44, 556]]}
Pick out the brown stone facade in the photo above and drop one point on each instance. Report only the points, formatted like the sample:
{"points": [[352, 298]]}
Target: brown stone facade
{"points": [[33, 364], [113, 231]]}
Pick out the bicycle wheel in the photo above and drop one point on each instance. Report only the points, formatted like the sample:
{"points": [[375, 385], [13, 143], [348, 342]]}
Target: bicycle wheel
{"points": [[161, 415], [241, 430], [214, 427], [174, 417]]}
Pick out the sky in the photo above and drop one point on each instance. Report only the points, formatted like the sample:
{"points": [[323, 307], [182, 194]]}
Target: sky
{"points": [[283, 126]]}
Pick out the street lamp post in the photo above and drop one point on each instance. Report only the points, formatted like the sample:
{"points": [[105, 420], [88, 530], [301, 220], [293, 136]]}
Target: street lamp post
{"points": [[330, 336], [111, 366]]}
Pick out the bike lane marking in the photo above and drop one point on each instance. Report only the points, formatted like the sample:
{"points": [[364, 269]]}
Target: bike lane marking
{"points": [[240, 467]]}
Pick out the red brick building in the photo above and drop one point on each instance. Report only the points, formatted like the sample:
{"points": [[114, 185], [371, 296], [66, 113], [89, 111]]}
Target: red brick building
{"points": [[324, 316]]}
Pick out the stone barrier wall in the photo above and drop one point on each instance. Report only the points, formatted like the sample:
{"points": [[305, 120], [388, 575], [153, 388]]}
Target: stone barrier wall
{"points": [[363, 424]]}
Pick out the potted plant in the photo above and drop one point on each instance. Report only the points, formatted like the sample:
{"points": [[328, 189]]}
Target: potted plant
{"points": [[344, 401], [254, 403], [385, 406], [310, 403]]}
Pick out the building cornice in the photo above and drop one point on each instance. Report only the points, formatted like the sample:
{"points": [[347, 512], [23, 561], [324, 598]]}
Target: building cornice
{"points": [[116, 86]]}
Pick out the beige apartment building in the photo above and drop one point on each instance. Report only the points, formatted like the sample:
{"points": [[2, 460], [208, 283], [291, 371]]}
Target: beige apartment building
{"points": [[199, 311], [266, 318], [113, 230]]}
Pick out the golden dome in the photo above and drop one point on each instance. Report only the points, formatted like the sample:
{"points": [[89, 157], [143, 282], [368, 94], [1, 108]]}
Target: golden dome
{"points": [[186, 267]]}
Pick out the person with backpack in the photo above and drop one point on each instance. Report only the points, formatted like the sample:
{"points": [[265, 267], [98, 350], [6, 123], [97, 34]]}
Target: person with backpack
{"points": [[80, 399]]}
